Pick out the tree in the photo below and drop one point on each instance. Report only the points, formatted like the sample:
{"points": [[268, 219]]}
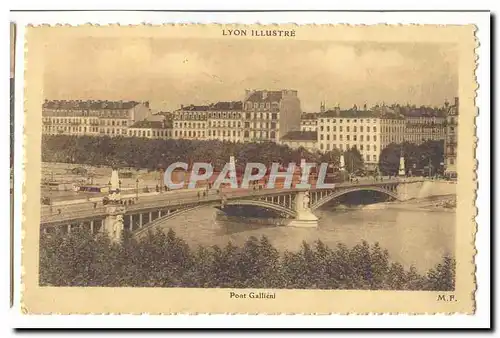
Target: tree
{"points": [[353, 160], [389, 159], [331, 157], [442, 277], [165, 260], [416, 157]]}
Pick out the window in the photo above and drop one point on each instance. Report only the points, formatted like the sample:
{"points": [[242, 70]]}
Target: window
{"points": [[374, 158], [355, 129], [328, 137], [334, 128], [354, 137], [327, 147], [368, 129], [341, 146], [321, 128], [348, 129], [368, 158], [374, 138], [340, 128], [335, 137], [361, 147], [341, 137], [368, 138], [375, 148], [348, 137], [361, 138], [327, 128], [321, 146]]}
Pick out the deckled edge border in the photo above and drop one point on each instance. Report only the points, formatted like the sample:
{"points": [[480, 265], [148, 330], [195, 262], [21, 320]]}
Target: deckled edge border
{"points": [[24, 308]]}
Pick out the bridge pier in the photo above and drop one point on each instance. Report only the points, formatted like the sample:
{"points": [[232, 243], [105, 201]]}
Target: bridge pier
{"points": [[304, 218]]}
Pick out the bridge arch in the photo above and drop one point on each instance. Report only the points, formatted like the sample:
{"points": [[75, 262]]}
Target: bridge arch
{"points": [[258, 203], [339, 193], [263, 204], [151, 225]]}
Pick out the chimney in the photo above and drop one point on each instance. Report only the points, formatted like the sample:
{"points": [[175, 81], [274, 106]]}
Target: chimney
{"points": [[456, 102], [337, 110], [182, 106], [446, 103], [248, 92], [264, 94]]}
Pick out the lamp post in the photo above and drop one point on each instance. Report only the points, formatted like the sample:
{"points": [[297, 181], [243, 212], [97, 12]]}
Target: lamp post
{"points": [[137, 189]]}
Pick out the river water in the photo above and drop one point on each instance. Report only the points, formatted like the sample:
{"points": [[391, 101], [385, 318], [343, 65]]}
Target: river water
{"points": [[413, 236]]}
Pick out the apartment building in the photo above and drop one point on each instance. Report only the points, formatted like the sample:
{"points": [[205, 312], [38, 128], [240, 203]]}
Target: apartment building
{"points": [[309, 122], [425, 124], [305, 139], [346, 129], [268, 115], [225, 121], [451, 139], [151, 129], [97, 118], [190, 122], [219, 121]]}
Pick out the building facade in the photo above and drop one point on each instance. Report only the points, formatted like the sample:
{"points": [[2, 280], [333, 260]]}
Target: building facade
{"points": [[392, 130], [451, 139], [270, 114], [190, 122], [97, 118], [348, 129], [425, 124], [225, 121], [150, 129], [305, 139], [220, 121], [309, 122]]}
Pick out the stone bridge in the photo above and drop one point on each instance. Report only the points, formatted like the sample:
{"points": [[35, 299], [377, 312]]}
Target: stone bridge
{"points": [[298, 205]]}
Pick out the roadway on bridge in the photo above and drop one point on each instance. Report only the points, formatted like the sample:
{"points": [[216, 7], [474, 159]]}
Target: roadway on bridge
{"points": [[172, 198]]}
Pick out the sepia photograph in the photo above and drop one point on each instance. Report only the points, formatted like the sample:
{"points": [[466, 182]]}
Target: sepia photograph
{"points": [[249, 160]]}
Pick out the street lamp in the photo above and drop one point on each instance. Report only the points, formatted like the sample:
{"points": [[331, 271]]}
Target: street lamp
{"points": [[137, 189]]}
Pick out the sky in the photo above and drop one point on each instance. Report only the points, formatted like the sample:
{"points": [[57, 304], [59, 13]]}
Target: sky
{"points": [[171, 72]]}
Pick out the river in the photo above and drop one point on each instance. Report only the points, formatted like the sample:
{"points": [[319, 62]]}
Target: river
{"points": [[413, 236]]}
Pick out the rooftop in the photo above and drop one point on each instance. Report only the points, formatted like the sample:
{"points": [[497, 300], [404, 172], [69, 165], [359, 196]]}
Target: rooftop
{"points": [[309, 116], [219, 106], [300, 136], [348, 113], [148, 124], [90, 104], [265, 96]]}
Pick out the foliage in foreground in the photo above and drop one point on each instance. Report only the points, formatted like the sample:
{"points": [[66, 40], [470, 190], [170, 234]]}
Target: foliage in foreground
{"points": [[165, 260]]}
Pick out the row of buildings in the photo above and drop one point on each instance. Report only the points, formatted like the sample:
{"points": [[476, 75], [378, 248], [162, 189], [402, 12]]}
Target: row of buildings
{"points": [[263, 115]]}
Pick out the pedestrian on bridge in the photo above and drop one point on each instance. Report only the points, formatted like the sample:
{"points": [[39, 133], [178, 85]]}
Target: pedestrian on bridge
{"points": [[198, 195]]}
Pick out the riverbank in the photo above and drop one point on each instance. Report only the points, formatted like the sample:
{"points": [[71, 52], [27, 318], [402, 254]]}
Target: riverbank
{"points": [[445, 203]]}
